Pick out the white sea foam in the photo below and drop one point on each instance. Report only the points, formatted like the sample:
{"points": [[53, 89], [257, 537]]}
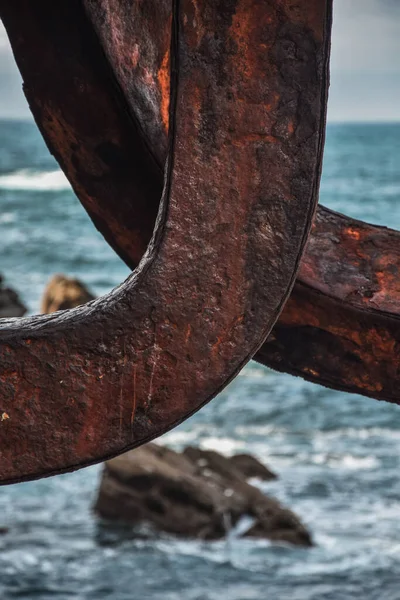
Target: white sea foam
{"points": [[8, 217], [221, 444], [197, 436], [346, 461], [41, 181], [360, 434]]}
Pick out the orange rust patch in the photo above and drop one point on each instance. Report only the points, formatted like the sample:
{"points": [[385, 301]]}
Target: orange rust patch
{"points": [[135, 56], [353, 233], [241, 34], [363, 383], [164, 82], [217, 344], [290, 127], [273, 105], [311, 371]]}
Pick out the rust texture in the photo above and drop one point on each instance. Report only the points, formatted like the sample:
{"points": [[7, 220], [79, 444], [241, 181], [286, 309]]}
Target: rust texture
{"points": [[340, 327], [86, 122], [136, 38], [83, 385]]}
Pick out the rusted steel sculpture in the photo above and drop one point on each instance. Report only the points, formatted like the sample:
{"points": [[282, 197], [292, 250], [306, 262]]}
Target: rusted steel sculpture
{"points": [[242, 176], [342, 336], [340, 326], [73, 96]]}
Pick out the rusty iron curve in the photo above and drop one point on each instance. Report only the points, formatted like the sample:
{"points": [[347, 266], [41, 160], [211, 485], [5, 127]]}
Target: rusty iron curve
{"points": [[341, 326], [80, 386]]}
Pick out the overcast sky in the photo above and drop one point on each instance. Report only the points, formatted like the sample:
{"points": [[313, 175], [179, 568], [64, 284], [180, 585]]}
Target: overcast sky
{"points": [[365, 66]]}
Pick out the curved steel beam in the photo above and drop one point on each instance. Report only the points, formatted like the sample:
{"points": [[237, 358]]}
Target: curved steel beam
{"points": [[80, 386], [342, 337], [340, 327], [85, 121]]}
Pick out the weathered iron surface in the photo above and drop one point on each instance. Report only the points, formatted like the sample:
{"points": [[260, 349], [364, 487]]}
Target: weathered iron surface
{"points": [[323, 334], [85, 120], [340, 327], [83, 385], [136, 39]]}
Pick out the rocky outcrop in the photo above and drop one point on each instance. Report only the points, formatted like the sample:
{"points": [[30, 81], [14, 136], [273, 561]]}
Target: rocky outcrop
{"points": [[196, 494], [64, 292], [239, 466], [10, 303]]}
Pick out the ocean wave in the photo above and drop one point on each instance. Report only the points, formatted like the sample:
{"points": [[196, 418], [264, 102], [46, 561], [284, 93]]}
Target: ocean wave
{"points": [[198, 436], [362, 433], [347, 461], [8, 217], [28, 180]]}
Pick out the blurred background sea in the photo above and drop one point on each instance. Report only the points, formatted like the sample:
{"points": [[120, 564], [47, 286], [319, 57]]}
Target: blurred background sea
{"points": [[337, 456]]}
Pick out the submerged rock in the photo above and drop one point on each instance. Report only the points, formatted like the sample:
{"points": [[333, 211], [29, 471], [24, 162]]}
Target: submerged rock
{"points": [[64, 292], [10, 303], [195, 494]]}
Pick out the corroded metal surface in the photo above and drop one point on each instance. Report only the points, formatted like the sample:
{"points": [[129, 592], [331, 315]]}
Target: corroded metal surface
{"points": [[85, 121], [340, 327], [83, 385], [136, 38]]}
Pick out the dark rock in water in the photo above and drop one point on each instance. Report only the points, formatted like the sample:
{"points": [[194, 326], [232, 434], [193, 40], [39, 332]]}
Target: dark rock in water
{"points": [[10, 303], [195, 494], [251, 467], [64, 292], [239, 466]]}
